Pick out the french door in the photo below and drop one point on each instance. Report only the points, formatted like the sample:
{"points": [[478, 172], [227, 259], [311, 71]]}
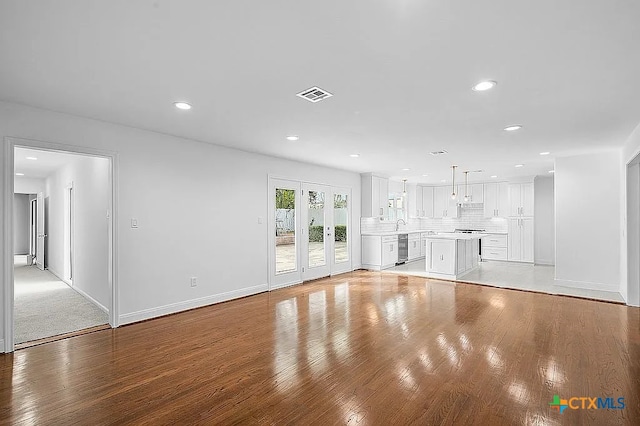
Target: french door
{"points": [[309, 231]]}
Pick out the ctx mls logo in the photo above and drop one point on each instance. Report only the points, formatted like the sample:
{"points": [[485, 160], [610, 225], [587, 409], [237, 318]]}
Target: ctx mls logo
{"points": [[586, 403]]}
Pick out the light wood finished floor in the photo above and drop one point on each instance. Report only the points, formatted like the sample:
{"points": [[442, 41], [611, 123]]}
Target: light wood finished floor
{"points": [[361, 348]]}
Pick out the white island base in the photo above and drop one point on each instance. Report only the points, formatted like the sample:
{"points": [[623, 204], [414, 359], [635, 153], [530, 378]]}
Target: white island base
{"points": [[450, 256]]}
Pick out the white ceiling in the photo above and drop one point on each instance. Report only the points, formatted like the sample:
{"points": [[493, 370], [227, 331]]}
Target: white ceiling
{"points": [[46, 163], [400, 71]]}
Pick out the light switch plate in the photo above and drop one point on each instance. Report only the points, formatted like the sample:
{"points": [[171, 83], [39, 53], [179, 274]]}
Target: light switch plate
{"points": [[134, 223]]}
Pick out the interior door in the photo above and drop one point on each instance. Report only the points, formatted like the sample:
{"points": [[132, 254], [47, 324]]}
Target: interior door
{"points": [[40, 232], [317, 231]]}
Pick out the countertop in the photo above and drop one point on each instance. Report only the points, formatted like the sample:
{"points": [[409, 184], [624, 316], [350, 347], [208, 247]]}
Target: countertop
{"points": [[456, 236], [387, 233]]}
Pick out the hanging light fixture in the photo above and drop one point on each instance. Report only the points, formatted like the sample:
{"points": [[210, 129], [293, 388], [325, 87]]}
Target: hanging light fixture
{"points": [[466, 186], [404, 187], [453, 182]]}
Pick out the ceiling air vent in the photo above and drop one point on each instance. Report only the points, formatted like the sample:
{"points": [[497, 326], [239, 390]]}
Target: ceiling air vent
{"points": [[314, 94], [438, 152]]}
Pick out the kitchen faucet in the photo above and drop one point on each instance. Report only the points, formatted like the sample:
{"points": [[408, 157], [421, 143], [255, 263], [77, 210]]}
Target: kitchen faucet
{"points": [[398, 224]]}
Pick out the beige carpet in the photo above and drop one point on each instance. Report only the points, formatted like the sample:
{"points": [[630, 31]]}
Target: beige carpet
{"points": [[45, 306]]}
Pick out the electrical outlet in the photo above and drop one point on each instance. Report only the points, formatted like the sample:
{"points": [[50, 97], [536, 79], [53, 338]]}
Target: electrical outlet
{"points": [[194, 281]]}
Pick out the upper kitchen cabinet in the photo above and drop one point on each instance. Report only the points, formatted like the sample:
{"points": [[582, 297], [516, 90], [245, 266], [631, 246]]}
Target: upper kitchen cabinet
{"points": [[421, 201], [427, 201], [443, 205], [375, 196], [474, 193], [521, 199], [496, 199]]}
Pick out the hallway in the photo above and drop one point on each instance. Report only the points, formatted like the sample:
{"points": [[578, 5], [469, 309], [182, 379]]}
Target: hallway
{"points": [[46, 306]]}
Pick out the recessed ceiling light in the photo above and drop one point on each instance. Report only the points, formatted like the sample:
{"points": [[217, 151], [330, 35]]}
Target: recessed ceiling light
{"points": [[354, 155], [513, 128], [545, 153], [484, 85], [405, 170], [443, 180], [293, 138], [425, 175], [32, 158], [552, 171], [519, 165], [19, 174], [494, 176], [182, 105]]}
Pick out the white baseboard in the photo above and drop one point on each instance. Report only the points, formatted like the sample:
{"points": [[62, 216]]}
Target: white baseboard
{"points": [[545, 262], [172, 308], [91, 299], [289, 284], [586, 285], [5, 350]]}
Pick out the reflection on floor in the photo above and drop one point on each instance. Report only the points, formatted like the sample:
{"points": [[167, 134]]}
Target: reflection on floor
{"points": [[514, 275], [44, 306], [361, 348]]}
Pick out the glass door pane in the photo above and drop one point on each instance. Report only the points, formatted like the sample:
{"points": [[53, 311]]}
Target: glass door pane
{"points": [[340, 222], [285, 241], [317, 255]]}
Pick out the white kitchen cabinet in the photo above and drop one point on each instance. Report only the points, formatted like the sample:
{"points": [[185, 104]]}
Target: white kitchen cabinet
{"points": [[418, 209], [494, 247], [427, 201], [375, 196], [521, 199], [496, 199], [443, 257], [379, 252], [423, 244], [414, 246], [520, 241], [443, 205], [389, 252]]}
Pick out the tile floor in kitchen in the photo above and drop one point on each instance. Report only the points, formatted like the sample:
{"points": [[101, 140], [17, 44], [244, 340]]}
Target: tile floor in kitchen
{"points": [[514, 275]]}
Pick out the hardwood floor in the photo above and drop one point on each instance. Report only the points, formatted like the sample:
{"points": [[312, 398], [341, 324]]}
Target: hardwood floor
{"points": [[360, 348]]}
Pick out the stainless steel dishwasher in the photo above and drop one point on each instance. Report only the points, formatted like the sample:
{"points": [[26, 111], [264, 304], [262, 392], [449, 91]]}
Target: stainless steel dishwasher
{"points": [[403, 248]]}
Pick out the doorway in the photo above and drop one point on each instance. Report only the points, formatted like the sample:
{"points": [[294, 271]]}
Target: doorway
{"points": [[309, 231], [72, 240]]}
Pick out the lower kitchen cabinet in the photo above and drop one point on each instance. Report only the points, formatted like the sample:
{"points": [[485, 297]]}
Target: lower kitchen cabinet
{"points": [[494, 247], [414, 246], [379, 252], [520, 245]]}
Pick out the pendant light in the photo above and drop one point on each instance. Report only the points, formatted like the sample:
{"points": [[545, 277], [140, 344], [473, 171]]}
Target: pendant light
{"points": [[453, 182], [466, 186], [404, 187]]}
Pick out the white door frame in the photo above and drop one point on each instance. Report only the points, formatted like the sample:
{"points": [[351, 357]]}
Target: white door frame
{"points": [[9, 144], [632, 176]]}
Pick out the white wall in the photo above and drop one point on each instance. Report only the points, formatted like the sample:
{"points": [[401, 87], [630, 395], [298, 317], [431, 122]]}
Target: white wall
{"points": [[21, 210], [544, 221], [588, 229], [180, 191], [90, 178], [25, 185]]}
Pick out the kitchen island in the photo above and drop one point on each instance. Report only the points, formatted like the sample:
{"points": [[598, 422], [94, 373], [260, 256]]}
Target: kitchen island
{"points": [[452, 255]]}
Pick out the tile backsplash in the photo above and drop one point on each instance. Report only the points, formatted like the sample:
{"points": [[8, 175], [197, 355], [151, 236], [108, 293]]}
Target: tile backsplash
{"points": [[471, 217]]}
